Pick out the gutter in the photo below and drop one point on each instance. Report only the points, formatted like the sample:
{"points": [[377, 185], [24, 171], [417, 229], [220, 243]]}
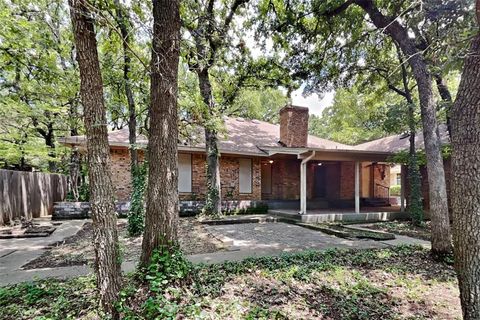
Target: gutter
{"points": [[304, 161]]}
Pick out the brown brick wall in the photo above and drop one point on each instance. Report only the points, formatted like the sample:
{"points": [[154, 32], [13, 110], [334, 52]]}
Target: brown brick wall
{"points": [[294, 126], [285, 180], [229, 176], [347, 180], [199, 177], [120, 168], [229, 171]]}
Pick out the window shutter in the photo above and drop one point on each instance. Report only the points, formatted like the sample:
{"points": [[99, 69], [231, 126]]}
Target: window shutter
{"points": [[245, 176], [184, 172]]}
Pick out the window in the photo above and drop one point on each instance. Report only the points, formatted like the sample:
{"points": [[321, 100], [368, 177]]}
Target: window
{"points": [[399, 178], [184, 172], [245, 176]]}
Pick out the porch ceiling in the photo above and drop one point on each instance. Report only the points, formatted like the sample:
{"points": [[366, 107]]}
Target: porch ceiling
{"points": [[330, 154], [347, 155]]}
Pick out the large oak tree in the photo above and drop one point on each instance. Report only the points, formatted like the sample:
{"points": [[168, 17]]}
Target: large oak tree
{"points": [[208, 26], [161, 216], [466, 180], [105, 238], [441, 240]]}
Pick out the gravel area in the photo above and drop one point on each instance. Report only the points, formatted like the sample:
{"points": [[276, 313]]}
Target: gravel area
{"points": [[77, 250]]}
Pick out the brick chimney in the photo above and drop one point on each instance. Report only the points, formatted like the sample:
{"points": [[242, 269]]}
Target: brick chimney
{"points": [[294, 126]]}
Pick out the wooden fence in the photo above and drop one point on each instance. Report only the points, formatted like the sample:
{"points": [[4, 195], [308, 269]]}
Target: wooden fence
{"points": [[29, 194]]}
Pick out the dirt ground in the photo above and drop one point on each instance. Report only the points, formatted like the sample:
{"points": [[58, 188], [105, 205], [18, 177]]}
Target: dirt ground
{"points": [[377, 284], [78, 249]]}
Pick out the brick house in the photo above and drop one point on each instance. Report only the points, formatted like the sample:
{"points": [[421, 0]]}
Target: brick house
{"points": [[281, 165]]}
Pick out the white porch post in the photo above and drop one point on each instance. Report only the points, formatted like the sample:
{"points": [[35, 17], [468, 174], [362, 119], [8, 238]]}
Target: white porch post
{"points": [[402, 189], [357, 187], [303, 188], [303, 183]]}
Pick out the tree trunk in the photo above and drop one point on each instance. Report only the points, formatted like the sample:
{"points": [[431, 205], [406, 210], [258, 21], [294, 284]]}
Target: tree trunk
{"points": [[161, 218], [50, 143], [123, 22], [74, 173], [466, 181], [415, 206], [447, 99], [213, 203], [441, 238], [75, 158], [105, 237], [48, 135]]}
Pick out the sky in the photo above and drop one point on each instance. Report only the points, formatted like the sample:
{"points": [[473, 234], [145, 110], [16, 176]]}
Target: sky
{"points": [[314, 103]]}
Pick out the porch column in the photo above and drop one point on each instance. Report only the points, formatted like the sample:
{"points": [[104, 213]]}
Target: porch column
{"points": [[402, 188], [357, 187], [303, 183], [303, 188]]}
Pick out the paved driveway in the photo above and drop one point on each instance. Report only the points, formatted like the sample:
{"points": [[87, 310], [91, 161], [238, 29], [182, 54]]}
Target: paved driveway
{"points": [[274, 237]]}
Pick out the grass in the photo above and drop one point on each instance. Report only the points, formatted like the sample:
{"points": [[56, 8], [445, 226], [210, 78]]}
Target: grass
{"points": [[394, 283]]}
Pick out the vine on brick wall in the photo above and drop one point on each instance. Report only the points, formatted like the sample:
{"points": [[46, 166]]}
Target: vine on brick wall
{"points": [[415, 206], [136, 213], [212, 195]]}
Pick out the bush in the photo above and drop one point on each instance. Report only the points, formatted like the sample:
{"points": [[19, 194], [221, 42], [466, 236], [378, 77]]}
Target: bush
{"points": [[261, 208], [395, 190], [164, 277]]}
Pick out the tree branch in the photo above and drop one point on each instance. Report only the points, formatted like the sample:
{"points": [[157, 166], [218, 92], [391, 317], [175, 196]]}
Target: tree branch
{"points": [[338, 10]]}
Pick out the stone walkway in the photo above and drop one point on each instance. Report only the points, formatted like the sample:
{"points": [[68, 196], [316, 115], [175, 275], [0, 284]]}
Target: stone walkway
{"points": [[14, 253], [245, 240]]}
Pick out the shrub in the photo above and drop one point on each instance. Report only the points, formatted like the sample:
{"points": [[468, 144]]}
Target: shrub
{"points": [[395, 190], [164, 278], [261, 208]]}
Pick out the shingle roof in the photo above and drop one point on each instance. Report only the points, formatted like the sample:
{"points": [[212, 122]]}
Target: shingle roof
{"points": [[241, 136], [400, 142]]}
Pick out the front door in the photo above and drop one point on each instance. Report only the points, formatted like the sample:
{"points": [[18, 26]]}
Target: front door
{"points": [[320, 188]]}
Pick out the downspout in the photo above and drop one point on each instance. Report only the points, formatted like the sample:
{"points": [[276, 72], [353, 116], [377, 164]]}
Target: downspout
{"points": [[303, 183]]}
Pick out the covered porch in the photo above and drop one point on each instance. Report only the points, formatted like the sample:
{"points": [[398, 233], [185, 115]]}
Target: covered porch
{"points": [[329, 182]]}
